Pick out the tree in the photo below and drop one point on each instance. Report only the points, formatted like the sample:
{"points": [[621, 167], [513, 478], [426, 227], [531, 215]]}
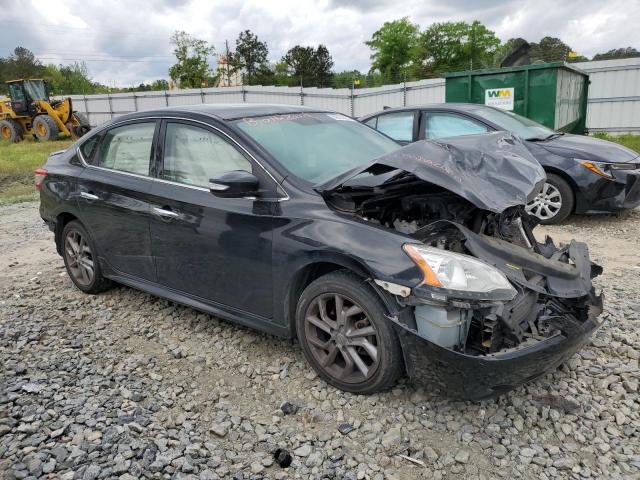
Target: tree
{"points": [[345, 79], [627, 52], [300, 62], [250, 56], [309, 65], [393, 45], [24, 64], [550, 49], [507, 48], [192, 69], [69, 79], [323, 63], [450, 46]]}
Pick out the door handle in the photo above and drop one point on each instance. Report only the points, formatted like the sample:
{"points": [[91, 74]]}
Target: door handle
{"points": [[89, 196], [165, 213]]}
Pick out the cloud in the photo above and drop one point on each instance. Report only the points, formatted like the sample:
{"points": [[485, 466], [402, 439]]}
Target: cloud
{"points": [[125, 43]]}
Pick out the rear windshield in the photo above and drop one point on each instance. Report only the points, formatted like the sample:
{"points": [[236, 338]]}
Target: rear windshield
{"points": [[317, 147]]}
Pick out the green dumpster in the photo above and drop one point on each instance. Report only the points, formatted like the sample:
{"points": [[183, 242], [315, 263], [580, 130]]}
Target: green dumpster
{"points": [[553, 94]]}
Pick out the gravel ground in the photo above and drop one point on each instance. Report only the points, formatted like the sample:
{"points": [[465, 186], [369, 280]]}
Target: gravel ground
{"points": [[125, 385]]}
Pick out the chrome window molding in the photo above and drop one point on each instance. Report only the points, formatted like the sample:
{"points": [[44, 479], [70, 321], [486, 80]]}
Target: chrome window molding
{"points": [[156, 179]]}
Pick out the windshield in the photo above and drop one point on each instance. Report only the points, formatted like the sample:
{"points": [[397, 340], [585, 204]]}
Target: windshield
{"points": [[317, 146], [514, 123], [35, 89]]}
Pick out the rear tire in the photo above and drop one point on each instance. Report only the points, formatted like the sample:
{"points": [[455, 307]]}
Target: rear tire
{"points": [[84, 127], [357, 351], [81, 259], [45, 128], [11, 131], [556, 190]]}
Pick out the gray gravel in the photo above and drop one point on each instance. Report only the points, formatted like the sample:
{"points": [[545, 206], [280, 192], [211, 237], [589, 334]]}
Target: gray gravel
{"points": [[125, 385]]}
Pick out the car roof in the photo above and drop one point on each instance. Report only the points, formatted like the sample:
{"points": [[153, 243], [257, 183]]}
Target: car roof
{"points": [[459, 107], [227, 111]]}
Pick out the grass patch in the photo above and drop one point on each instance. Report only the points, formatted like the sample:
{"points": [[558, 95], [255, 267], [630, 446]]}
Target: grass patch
{"points": [[17, 163], [628, 140]]}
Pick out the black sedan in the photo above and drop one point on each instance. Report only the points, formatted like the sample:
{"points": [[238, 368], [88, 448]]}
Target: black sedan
{"points": [[584, 174], [303, 223]]}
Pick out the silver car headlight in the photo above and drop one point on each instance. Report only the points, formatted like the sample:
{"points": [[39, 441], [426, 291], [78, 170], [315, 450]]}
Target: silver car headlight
{"points": [[454, 272]]}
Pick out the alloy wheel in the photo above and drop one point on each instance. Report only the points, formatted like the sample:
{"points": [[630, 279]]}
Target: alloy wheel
{"points": [[342, 338], [79, 257], [547, 203]]}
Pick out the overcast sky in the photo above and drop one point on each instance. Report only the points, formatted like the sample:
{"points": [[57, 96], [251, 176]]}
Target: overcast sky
{"points": [[127, 42]]}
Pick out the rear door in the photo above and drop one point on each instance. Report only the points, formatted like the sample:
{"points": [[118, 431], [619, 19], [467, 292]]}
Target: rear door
{"points": [[216, 249], [114, 191]]}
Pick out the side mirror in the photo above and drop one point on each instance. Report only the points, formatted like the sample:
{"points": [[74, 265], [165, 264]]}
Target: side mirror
{"points": [[234, 184]]}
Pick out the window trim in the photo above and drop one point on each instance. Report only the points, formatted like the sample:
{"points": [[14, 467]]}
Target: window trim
{"points": [[155, 178], [101, 134], [425, 113]]}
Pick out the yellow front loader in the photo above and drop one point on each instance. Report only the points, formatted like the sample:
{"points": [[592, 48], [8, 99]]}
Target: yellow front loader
{"points": [[29, 111]]}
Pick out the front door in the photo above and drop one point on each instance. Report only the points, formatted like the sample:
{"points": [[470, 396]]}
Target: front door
{"points": [[216, 249], [113, 200]]}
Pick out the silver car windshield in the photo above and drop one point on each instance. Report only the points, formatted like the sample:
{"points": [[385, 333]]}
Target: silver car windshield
{"points": [[514, 123]]}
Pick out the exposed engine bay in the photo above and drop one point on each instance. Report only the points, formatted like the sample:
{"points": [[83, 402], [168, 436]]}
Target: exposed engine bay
{"points": [[551, 282]]}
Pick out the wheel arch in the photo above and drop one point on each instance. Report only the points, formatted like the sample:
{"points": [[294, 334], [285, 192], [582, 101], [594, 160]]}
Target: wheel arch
{"points": [[62, 219], [317, 268], [567, 178]]}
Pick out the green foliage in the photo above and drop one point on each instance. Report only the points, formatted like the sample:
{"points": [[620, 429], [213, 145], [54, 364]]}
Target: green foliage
{"points": [[628, 140], [393, 47], [17, 163], [627, 52], [451, 46], [22, 63], [550, 49], [68, 79], [308, 66], [346, 78], [250, 57], [192, 69]]}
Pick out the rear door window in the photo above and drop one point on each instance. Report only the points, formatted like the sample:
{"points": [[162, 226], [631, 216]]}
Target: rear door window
{"points": [[89, 147], [127, 148], [442, 125], [398, 126]]}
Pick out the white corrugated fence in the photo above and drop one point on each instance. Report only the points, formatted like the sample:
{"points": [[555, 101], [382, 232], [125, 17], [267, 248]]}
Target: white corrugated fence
{"points": [[614, 97]]}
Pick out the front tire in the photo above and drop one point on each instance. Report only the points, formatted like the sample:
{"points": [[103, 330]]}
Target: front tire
{"points": [[45, 128], [81, 259], [554, 203], [345, 335]]}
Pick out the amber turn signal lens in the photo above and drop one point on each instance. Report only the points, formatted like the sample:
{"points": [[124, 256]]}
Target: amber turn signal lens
{"points": [[594, 168], [430, 278]]}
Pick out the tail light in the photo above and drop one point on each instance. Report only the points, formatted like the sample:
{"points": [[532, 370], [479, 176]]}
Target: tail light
{"points": [[40, 174]]}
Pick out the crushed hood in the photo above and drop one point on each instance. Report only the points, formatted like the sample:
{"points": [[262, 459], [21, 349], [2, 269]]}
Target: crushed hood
{"points": [[494, 171]]}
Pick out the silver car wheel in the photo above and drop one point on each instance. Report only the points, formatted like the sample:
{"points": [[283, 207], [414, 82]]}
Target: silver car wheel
{"points": [[547, 203]]}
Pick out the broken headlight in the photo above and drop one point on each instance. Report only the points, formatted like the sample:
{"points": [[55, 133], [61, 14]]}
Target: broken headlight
{"points": [[458, 273]]}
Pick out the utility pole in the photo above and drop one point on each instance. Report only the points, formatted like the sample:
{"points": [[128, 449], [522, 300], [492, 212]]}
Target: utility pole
{"points": [[226, 44]]}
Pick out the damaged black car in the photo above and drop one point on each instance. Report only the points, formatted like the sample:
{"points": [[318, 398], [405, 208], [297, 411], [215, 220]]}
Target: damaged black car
{"points": [[382, 261]]}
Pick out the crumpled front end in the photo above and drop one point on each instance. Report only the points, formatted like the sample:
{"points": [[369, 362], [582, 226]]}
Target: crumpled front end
{"points": [[502, 344], [496, 308]]}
